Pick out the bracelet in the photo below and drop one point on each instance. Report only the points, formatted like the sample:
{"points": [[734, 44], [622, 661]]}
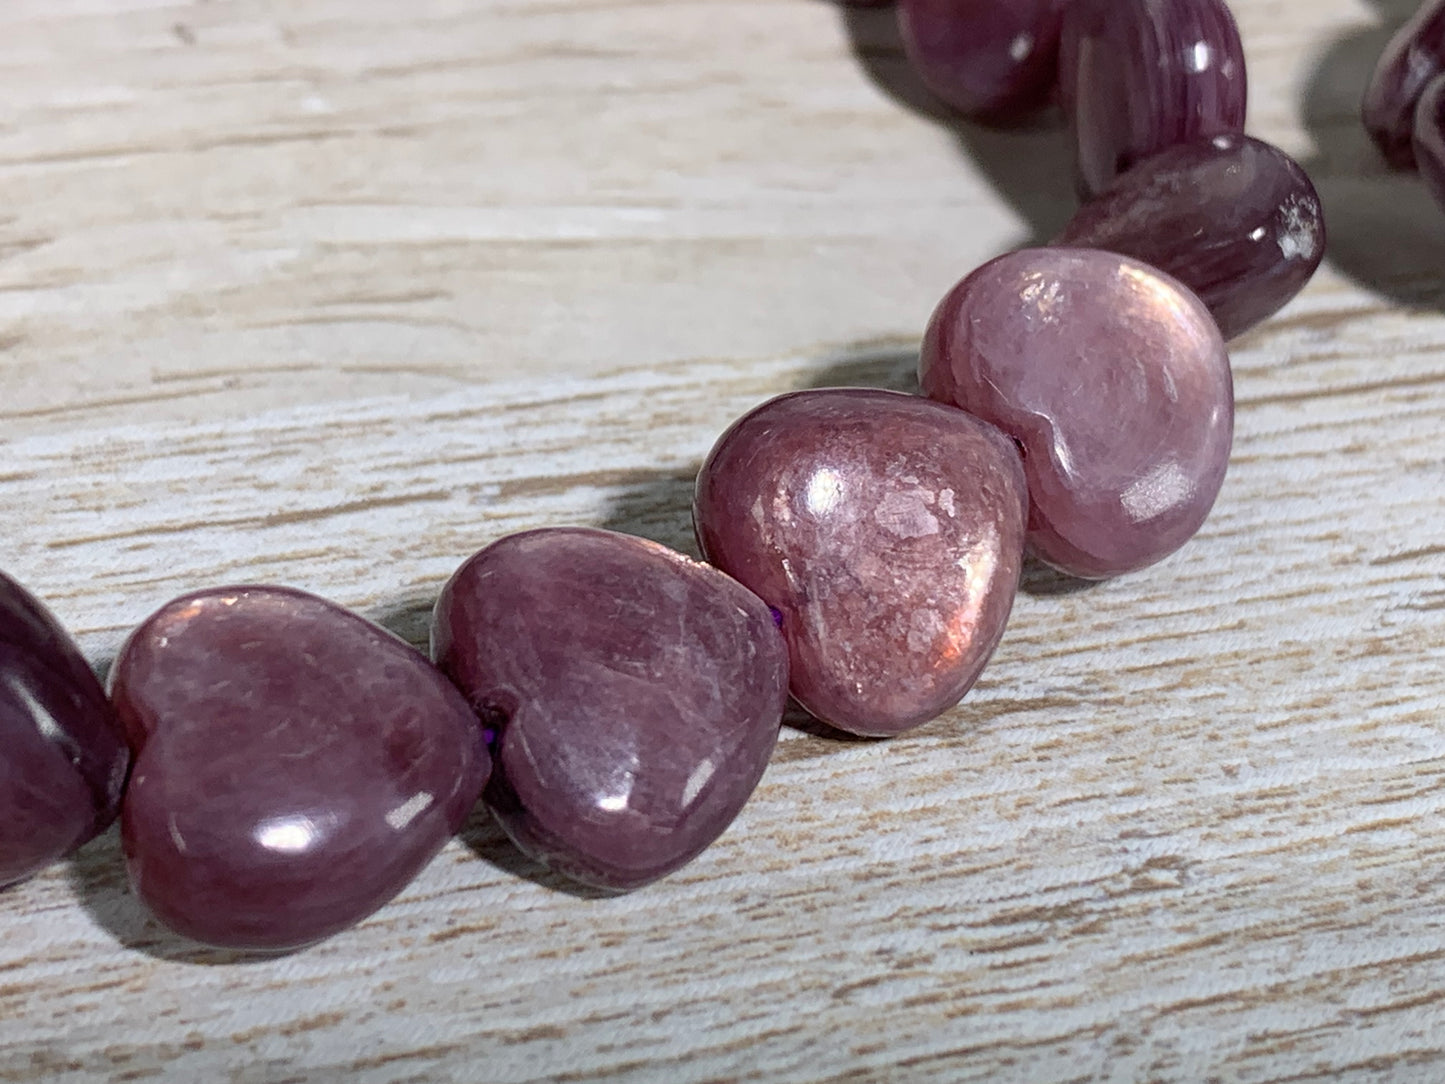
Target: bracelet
{"points": [[281, 767]]}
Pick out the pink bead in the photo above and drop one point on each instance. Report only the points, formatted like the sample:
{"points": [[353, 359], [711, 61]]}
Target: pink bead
{"points": [[1234, 219], [1414, 56], [63, 759], [886, 531], [1113, 379], [992, 59], [635, 696], [1429, 137], [1137, 76], [295, 765]]}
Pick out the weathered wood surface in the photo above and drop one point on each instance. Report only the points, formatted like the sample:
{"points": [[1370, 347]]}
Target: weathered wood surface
{"points": [[333, 292]]}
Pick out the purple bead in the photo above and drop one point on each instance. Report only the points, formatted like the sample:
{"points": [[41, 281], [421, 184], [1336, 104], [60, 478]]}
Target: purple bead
{"points": [[1234, 219], [1112, 377], [1414, 56], [636, 696], [295, 765], [1430, 137], [1137, 76], [63, 759], [991, 59], [888, 532]]}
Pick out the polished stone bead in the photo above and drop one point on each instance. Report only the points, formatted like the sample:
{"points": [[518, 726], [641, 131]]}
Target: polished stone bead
{"points": [[990, 59], [295, 765], [1233, 218], [1413, 57], [634, 696], [1114, 380], [63, 759], [1430, 138], [886, 530], [1137, 76]]}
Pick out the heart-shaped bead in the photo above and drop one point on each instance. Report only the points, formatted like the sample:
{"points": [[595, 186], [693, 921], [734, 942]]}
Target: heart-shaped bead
{"points": [[1113, 379], [888, 532], [295, 765], [634, 695], [1137, 76], [1233, 218], [62, 757]]}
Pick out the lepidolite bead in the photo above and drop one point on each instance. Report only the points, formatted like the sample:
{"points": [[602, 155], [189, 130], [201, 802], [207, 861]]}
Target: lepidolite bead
{"points": [[992, 59], [62, 757], [1233, 218], [634, 697], [886, 530], [1414, 56], [1114, 380], [1137, 76], [1430, 138], [295, 765]]}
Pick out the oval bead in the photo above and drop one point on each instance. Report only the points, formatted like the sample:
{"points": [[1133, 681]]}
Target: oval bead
{"points": [[1430, 138], [63, 759], [634, 695], [1413, 57], [888, 533], [987, 59], [1137, 76], [295, 765], [1114, 380], [1233, 218]]}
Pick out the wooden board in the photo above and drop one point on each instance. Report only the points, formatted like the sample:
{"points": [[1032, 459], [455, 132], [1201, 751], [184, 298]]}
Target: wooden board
{"points": [[334, 292]]}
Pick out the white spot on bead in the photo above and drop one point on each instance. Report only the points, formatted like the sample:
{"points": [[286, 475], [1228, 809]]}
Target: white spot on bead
{"points": [[1198, 57], [825, 490], [1163, 488], [697, 780], [906, 514], [409, 810]]}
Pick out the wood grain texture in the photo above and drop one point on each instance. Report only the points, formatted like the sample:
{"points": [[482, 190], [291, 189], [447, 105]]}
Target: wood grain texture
{"points": [[334, 292]]}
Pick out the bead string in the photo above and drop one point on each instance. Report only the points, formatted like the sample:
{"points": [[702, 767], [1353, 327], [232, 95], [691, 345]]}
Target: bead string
{"points": [[614, 702]]}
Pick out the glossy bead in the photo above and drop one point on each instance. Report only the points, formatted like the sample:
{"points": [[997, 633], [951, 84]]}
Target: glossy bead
{"points": [[1430, 138], [1414, 56], [1233, 218], [1114, 380], [886, 530], [62, 757], [991, 59], [1137, 76], [295, 765], [634, 697]]}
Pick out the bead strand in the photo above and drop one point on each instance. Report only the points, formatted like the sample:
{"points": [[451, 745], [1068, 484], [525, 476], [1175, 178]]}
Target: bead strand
{"points": [[292, 767]]}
